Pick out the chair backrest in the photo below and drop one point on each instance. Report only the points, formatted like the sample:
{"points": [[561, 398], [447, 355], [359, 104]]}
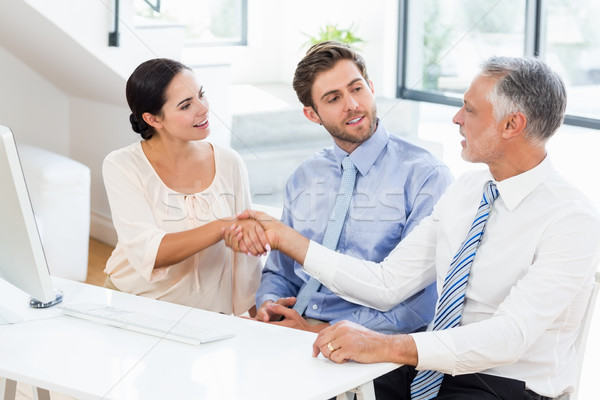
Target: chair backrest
{"points": [[581, 340]]}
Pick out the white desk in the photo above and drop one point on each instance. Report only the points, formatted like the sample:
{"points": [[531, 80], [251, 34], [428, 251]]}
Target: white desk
{"points": [[87, 360]]}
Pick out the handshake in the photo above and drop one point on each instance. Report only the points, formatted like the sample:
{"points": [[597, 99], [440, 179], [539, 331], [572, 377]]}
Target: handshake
{"points": [[253, 232]]}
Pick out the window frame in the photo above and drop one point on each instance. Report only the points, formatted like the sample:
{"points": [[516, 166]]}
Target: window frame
{"points": [[532, 47]]}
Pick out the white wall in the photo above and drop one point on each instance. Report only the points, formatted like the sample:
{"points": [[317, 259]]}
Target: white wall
{"points": [[34, 109], [97, 129]]}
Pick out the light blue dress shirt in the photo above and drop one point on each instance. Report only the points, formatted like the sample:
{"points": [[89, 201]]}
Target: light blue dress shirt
{"points": [[397, 185]]}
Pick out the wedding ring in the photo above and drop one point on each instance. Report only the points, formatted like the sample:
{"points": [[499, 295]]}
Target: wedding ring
{"points": [[330, 347]]}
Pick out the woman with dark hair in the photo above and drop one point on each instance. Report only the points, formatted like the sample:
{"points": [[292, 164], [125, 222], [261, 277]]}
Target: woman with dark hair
{"points": [[172, 194]]}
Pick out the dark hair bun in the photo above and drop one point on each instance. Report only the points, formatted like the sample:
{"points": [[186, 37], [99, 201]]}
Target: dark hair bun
{"points": [[140, 127]]}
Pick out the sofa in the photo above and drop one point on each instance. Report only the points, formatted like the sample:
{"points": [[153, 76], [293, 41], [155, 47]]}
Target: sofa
{"points": [[59, 189]]}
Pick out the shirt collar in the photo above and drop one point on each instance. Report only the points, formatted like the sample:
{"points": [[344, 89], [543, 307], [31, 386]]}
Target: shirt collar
{"points": [[514, 190], [365, 155]]}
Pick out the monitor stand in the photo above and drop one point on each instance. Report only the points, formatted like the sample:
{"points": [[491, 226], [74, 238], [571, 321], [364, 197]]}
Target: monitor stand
{"points": [[34, 303]]}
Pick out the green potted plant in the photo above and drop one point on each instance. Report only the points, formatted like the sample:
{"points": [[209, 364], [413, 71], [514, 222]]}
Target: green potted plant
{"points": [[333, 32]]}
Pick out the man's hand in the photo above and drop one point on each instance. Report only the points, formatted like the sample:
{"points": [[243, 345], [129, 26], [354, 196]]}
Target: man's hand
{"points": [[265, 314], [292, 319], [248, 236], [346, 341]]}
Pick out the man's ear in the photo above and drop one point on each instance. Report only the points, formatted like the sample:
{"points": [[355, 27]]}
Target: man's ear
{"points": [[371, 86], [514, 125], [151, 120], [311, 114]]}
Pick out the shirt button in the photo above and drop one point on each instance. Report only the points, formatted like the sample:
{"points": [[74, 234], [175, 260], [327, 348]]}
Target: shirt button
{"points": [[314, 307]]}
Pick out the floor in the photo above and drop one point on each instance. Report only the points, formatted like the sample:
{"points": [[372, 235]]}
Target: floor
{"points": [[98, 254]]}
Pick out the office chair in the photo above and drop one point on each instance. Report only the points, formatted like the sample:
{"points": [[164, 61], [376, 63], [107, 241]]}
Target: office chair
{"points": [[582, 338]]}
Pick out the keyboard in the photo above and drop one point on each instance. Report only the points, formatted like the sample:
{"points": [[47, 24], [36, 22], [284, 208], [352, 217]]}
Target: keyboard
{"points": [[144, 323]]}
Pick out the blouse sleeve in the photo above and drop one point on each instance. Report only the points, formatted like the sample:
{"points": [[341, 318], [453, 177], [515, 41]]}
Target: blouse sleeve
{"points": [[138, 233]]}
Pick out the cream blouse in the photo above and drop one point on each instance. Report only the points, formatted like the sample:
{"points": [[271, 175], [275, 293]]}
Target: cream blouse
{"points": [[144, 209]]}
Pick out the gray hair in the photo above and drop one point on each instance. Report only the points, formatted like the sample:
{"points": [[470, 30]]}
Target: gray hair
{"points": [[529, 86]]}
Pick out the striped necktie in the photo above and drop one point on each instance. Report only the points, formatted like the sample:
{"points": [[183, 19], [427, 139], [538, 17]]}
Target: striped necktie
{"points": [[426, 384], [333, 230]]}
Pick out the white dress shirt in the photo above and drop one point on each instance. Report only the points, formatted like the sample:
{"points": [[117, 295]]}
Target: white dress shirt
{"points": [[528, 287], [144, 209]]}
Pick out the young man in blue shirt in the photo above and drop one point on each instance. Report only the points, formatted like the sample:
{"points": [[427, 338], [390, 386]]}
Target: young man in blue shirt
{"points": [[397, 184]]}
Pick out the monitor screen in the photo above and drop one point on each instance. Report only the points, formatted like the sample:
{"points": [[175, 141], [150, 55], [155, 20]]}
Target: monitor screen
{"points": [[22, 259]]}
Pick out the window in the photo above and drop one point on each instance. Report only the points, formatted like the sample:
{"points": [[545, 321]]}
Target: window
{"points": [[571, 45], [207, 22], [443, 43]]}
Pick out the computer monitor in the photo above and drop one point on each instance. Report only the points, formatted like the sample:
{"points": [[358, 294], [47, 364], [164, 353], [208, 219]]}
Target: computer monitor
{"points": [[22, 259]]}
